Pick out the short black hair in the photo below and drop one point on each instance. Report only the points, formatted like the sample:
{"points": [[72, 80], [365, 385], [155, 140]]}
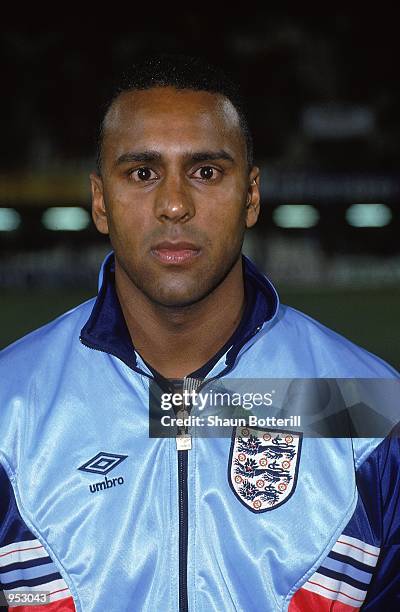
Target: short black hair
{"points": [[181, 72]]}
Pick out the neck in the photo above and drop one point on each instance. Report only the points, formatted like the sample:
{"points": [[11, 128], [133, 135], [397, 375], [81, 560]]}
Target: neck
{"points": [[177, 341]]}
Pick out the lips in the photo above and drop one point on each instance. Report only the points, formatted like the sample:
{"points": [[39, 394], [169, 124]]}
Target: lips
{"points": [[175, 252]]}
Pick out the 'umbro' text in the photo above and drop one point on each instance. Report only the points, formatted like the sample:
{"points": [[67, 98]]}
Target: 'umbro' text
{"points": [[107, 483]]}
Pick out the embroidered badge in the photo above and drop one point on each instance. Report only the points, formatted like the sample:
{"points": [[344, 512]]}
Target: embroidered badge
{"points": [[263, 466]]}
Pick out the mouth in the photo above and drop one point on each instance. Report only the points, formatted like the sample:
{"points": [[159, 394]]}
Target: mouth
{"points": [[175, 253]]}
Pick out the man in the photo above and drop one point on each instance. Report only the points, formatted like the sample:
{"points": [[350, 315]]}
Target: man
{"points": [[104, 518]]}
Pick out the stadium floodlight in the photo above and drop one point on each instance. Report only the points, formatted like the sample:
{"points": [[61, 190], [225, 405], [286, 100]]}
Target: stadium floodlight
{"points": [[295, 216], [368, 215], [66, 218], [10, 219]]}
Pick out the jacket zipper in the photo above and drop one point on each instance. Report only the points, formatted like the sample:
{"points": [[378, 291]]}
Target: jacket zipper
{"points": [[183, 528], [183, 505], [182, 483]]}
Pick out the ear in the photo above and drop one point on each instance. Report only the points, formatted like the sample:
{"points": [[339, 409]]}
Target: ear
{"points": [[99, 213], [253, 197]]}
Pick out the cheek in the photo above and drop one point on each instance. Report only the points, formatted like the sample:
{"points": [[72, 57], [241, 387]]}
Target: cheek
{"points": [[128, 218], [128, 230], [225, 217]]}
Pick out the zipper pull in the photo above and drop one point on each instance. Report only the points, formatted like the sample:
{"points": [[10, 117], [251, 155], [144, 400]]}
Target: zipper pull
{"points": [[183, 438], [183, 442]]}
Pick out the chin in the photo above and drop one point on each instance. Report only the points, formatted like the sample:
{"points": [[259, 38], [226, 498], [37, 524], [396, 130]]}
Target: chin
{"points": [[177, 298], [176, 301]]}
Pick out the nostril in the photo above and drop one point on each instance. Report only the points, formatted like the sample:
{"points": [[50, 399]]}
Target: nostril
{"points": [[174, 209]]}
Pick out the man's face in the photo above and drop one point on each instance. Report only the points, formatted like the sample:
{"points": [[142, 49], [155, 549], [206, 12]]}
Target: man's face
{"points": [[175, 194]]}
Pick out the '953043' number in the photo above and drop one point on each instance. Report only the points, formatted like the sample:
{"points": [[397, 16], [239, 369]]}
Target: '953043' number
{"points": [[27, 598]]}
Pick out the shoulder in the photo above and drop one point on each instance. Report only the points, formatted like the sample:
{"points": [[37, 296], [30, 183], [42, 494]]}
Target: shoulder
{"points": [[31, 370], [324, 351], [45, 344]]}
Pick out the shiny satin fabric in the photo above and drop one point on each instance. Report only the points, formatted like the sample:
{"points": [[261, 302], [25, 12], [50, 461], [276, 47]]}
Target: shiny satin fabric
{"points": [[239, 558], [117, 547]]}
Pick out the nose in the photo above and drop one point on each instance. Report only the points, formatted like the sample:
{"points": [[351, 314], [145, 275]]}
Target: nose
{"points": [[173, 201]]}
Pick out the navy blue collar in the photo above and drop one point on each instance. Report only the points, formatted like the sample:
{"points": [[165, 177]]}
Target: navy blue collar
{"points": [[106, 329]]}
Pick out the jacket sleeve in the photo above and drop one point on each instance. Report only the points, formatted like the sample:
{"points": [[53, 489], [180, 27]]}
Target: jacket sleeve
{"points": [[384, 471]]}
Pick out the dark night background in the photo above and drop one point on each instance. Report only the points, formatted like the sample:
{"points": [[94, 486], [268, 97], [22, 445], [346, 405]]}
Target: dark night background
{"points": [[323, 99]]}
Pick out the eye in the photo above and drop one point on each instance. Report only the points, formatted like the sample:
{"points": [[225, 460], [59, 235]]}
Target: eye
{"points": [[207, 173], [143, 174]]}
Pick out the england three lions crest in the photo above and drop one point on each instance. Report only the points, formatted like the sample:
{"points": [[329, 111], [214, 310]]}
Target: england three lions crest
{"points": [[263, 466]]}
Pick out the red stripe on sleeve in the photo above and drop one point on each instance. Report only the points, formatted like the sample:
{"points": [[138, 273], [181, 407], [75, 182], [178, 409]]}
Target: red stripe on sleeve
{"points": [[62, 605], [304, 601]]}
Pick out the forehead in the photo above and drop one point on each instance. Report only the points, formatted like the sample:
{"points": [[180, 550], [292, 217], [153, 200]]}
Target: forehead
{"points": [[165, 116]]}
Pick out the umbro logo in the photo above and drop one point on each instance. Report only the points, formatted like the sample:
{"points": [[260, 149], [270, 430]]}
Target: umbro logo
{"points": [[103, 463]]}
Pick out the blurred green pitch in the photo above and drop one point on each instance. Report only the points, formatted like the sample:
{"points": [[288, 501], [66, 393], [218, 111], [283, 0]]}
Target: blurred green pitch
{"points": [[368, 317]]}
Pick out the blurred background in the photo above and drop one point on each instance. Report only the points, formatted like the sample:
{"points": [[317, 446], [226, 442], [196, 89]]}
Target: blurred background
{"points": [[323, 99]]}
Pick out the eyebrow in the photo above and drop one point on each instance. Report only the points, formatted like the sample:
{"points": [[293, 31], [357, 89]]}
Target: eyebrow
{"points": [[152, 156], [210, 156]]}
